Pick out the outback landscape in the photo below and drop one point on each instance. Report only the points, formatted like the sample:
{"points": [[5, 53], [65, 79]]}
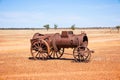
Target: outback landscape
{"points": [[16, 62]]}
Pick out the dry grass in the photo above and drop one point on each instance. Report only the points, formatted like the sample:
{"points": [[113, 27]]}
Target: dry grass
{"points": [[16, 65]]}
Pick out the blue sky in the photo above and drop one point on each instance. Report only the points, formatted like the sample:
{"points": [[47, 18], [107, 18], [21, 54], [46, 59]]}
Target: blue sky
{"points": [[64, 13]]}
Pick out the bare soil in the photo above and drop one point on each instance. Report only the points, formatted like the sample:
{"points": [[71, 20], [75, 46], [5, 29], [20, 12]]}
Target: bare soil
{"points": [[16, 62]]}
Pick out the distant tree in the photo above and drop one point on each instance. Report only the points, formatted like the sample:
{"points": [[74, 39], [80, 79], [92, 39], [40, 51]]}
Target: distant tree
{"points": [[46, 26], [73, 27], [118, 28], [55, 26]]}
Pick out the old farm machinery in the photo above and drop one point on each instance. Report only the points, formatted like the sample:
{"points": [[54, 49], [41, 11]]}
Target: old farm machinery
{"points": [[44, 46]]}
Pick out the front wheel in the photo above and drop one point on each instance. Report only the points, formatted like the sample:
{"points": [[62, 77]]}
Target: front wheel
{"points": [[81, 54]]}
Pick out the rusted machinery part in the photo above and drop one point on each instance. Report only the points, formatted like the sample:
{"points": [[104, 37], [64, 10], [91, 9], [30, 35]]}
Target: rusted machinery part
{"points": [[40, 49], [36, 35], [83, 40], [81, 54], [56, 54], [55, 37]]}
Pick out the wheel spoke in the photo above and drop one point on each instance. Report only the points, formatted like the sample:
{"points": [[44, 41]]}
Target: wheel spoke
{"points": [[56, 54], [45, 55], [37, 54], [35, 45], [34, 48], [42, 45], [51, 53]]}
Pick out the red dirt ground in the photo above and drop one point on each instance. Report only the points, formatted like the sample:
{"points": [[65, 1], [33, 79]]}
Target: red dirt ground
{"points": [[16, 65]]}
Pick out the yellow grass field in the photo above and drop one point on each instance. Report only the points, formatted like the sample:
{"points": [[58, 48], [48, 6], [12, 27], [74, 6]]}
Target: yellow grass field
{"points": [[16, 65]]}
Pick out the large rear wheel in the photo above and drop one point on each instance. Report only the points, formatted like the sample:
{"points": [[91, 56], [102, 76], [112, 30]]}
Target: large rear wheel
{"points": [[40, 49]]}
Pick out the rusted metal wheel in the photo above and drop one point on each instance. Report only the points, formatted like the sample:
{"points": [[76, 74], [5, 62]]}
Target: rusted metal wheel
{"points": [[40, 49], [56, 54], [81, 54]]}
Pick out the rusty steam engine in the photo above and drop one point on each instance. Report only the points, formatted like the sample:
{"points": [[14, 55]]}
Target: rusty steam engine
{"points": [[44, 46]]}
